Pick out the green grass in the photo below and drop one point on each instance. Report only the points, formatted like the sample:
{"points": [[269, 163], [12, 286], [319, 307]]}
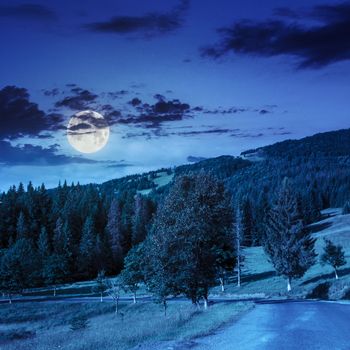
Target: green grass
{"points": [[260, 277], [162, 179], [43, 326]]}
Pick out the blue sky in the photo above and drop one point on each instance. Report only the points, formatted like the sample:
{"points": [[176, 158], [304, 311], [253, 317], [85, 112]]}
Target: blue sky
{"points": [[272, 71]]}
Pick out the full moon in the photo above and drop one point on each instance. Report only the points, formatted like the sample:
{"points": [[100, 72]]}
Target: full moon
{"points": [[88, 132]]}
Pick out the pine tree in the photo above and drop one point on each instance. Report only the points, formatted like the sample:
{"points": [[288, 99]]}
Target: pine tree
{"points": [[58, 237], [140, 220], [86, 259], [333, 255], [132, 274], [247, 224], [43, 244], [19, 268], [288, 245], [115, 234], [55, 271], [21, 227], [238, 239]]}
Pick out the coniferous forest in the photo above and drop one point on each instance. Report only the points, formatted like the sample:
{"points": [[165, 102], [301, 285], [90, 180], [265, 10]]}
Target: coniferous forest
{"points": [[189, 229]]}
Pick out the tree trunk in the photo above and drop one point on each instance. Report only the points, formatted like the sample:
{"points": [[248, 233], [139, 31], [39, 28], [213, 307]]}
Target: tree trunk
{"points": [[205, 303], [54, 291], [165, 306], [134, 297], [222, 284], [101, 297], [289, 286], [117, 306], [336, 274], [10, 299], [239, 275]]}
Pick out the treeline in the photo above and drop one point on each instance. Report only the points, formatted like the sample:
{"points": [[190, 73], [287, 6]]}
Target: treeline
{"points": [[70, 233]]}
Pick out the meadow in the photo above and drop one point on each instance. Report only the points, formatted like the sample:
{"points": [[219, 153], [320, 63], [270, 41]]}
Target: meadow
{"points": [[46, 325]]}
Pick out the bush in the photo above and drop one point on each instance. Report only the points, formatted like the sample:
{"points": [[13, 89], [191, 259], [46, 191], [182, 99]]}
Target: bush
{"points": [[346, 295], [320, 291], [79, 323]]}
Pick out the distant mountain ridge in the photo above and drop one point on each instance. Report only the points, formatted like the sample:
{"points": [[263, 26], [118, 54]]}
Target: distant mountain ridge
{"points": [[332, 143]]}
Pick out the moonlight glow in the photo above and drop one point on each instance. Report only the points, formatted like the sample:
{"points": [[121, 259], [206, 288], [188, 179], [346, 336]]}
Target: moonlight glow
{"points": [[88, 132]]}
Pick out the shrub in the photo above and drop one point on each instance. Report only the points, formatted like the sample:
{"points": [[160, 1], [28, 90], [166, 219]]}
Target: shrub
{"points": [[320, 291], [346, 295], [79, 323]]}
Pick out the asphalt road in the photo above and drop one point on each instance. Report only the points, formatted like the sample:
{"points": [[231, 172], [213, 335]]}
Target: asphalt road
{"points": [[287, 326]]}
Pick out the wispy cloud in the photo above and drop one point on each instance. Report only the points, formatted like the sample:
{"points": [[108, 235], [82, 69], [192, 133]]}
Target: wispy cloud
{"points": [[151, 24], [316, 45]]}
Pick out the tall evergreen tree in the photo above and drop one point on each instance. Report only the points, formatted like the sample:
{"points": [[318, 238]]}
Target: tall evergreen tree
{"points": [[114, 230], [288, 245], [43, 244], [86, 259], [238, 240], [21, 227], [19, 268]]}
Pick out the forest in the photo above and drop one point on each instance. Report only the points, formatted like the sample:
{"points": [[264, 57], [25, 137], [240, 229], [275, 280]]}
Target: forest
{"points": [[182, 237]]}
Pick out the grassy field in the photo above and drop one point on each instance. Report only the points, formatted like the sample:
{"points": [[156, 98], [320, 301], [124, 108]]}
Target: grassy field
{"points": [[45, 326]]}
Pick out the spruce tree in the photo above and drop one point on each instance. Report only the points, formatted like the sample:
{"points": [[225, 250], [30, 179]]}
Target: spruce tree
{"points": [[21, 227], [132, 274], [43, 244], [86, 259], [287, 243], [114, 230], [333, 255]]}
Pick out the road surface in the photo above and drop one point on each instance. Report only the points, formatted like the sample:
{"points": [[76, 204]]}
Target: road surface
{"points": [[287, 326]]}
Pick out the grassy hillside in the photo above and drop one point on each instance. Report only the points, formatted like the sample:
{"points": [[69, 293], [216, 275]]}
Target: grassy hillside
{"points": [[259, 275]]}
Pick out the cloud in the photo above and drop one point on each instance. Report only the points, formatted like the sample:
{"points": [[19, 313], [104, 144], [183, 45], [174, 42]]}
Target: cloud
{"points": [[313, 45], [21, 117], [153, 115], [36, 155], [27, 11], [151, 24], [80, 100]]}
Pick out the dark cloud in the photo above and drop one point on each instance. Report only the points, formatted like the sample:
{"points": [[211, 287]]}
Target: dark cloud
{"points": [[51, 92], [217, 131], [153, 115], [27, 11], [21, 117], [315, 45], [36, 155], [135, 102], [151, 24], [80, 100], [114, 95]]}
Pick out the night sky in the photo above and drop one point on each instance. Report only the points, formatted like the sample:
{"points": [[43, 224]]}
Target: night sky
{"points": [[175, 80]]}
